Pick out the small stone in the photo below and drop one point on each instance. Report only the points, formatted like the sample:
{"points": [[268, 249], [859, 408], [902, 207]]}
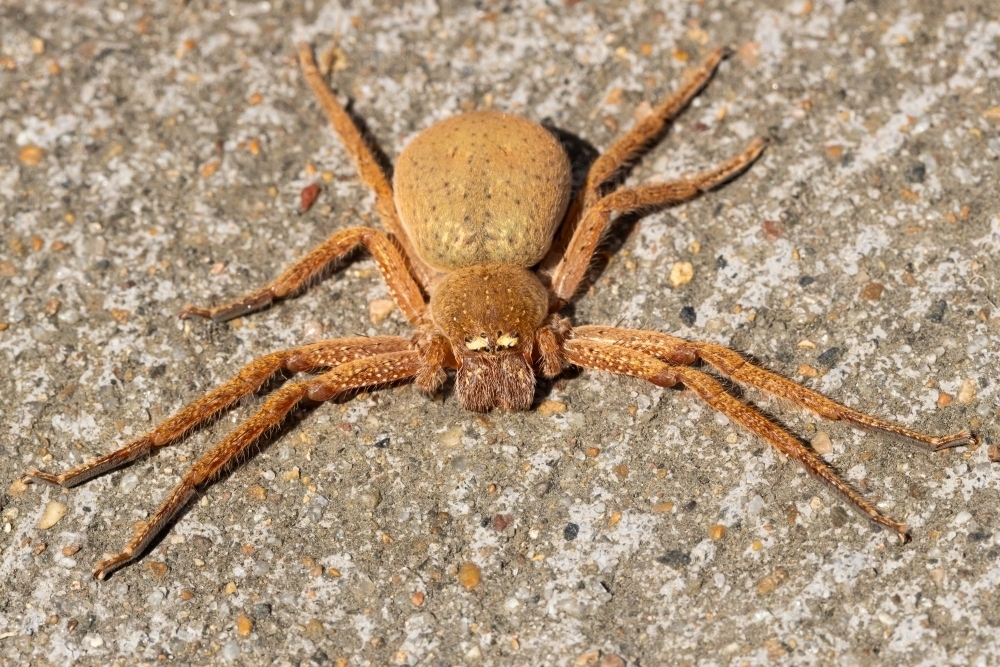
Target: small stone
{"points": [[821, 443], [916, 172], [663, 508], [588, 659], [674, 558], [937, 574], [571, 531], [31, 156], [314, 629], [231, 651], [158, 569], [70, 550], [772, 229], [244, 626], [308, 195], [612, 660], [210, 168], [37, 46], [257, 492], [620, 471], [872, 291], [417, 599], [96, 642], [17, 487], [944, 400], [808, 371], [775, 649], [681, 273], [549, 408], [993, 452], [231, 588], [54, 511], [717, 532], [688, 316], [452, 437], [592, 452], [469, 575], [614, 518], [967, 392], [829, 357], [757, 545], [769, 583], [292, 474], [816, 503], [936, 313], [379, 309]]}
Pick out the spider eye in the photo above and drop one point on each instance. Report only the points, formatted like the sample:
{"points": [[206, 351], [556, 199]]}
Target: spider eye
{"points": [[480, 342]]}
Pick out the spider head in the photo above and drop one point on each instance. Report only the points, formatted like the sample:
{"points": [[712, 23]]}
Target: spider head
{"points": [[489, 314]]}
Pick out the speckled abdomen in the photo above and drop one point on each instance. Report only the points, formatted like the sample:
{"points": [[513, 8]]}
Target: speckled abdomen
{"points": [[482, 188]]}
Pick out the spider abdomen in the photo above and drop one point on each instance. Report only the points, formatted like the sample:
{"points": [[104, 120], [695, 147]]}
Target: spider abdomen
{"points": [[482, 188]]}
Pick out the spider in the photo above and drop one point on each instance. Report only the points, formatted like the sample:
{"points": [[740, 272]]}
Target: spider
{"points": [[480, 217]]}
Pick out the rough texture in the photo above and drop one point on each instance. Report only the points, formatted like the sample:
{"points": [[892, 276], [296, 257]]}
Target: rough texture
{"points": [[154, 154]]}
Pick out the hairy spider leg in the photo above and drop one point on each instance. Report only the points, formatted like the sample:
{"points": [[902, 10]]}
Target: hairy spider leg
{"points": [[365, 162], [625, 361], [365, 372], [404, 290], [733, 365], [572, 268], [325, 354], [627, 149]]}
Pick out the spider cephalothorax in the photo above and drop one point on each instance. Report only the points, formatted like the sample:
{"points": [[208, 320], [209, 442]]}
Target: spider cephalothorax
{"points": [[489, 314], [474, 207]]}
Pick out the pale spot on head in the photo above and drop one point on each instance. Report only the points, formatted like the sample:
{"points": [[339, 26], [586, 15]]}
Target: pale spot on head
{"points": [[478, 343], [507, 340]]}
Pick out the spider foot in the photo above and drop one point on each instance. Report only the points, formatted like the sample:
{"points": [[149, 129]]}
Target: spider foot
{"points": [[960, 439], [35, 473], [190, 310], [109, 565], [225, 313]]}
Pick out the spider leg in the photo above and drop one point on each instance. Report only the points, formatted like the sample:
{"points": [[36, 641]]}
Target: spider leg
{"points": [[735, 366], [403, 289], [623, 360], [365, 162], [628, 147], [251, 377], [572, 268], [631, 144], [365, 372]]}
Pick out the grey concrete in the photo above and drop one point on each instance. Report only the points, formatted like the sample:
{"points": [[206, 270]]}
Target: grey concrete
{"points": [[857, 256]]}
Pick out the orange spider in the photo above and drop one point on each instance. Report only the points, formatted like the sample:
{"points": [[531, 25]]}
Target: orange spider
{"points": [[479, 217]]}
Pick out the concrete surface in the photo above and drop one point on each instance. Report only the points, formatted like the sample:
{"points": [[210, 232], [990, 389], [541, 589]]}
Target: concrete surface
{"points": [[857, 256]]}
